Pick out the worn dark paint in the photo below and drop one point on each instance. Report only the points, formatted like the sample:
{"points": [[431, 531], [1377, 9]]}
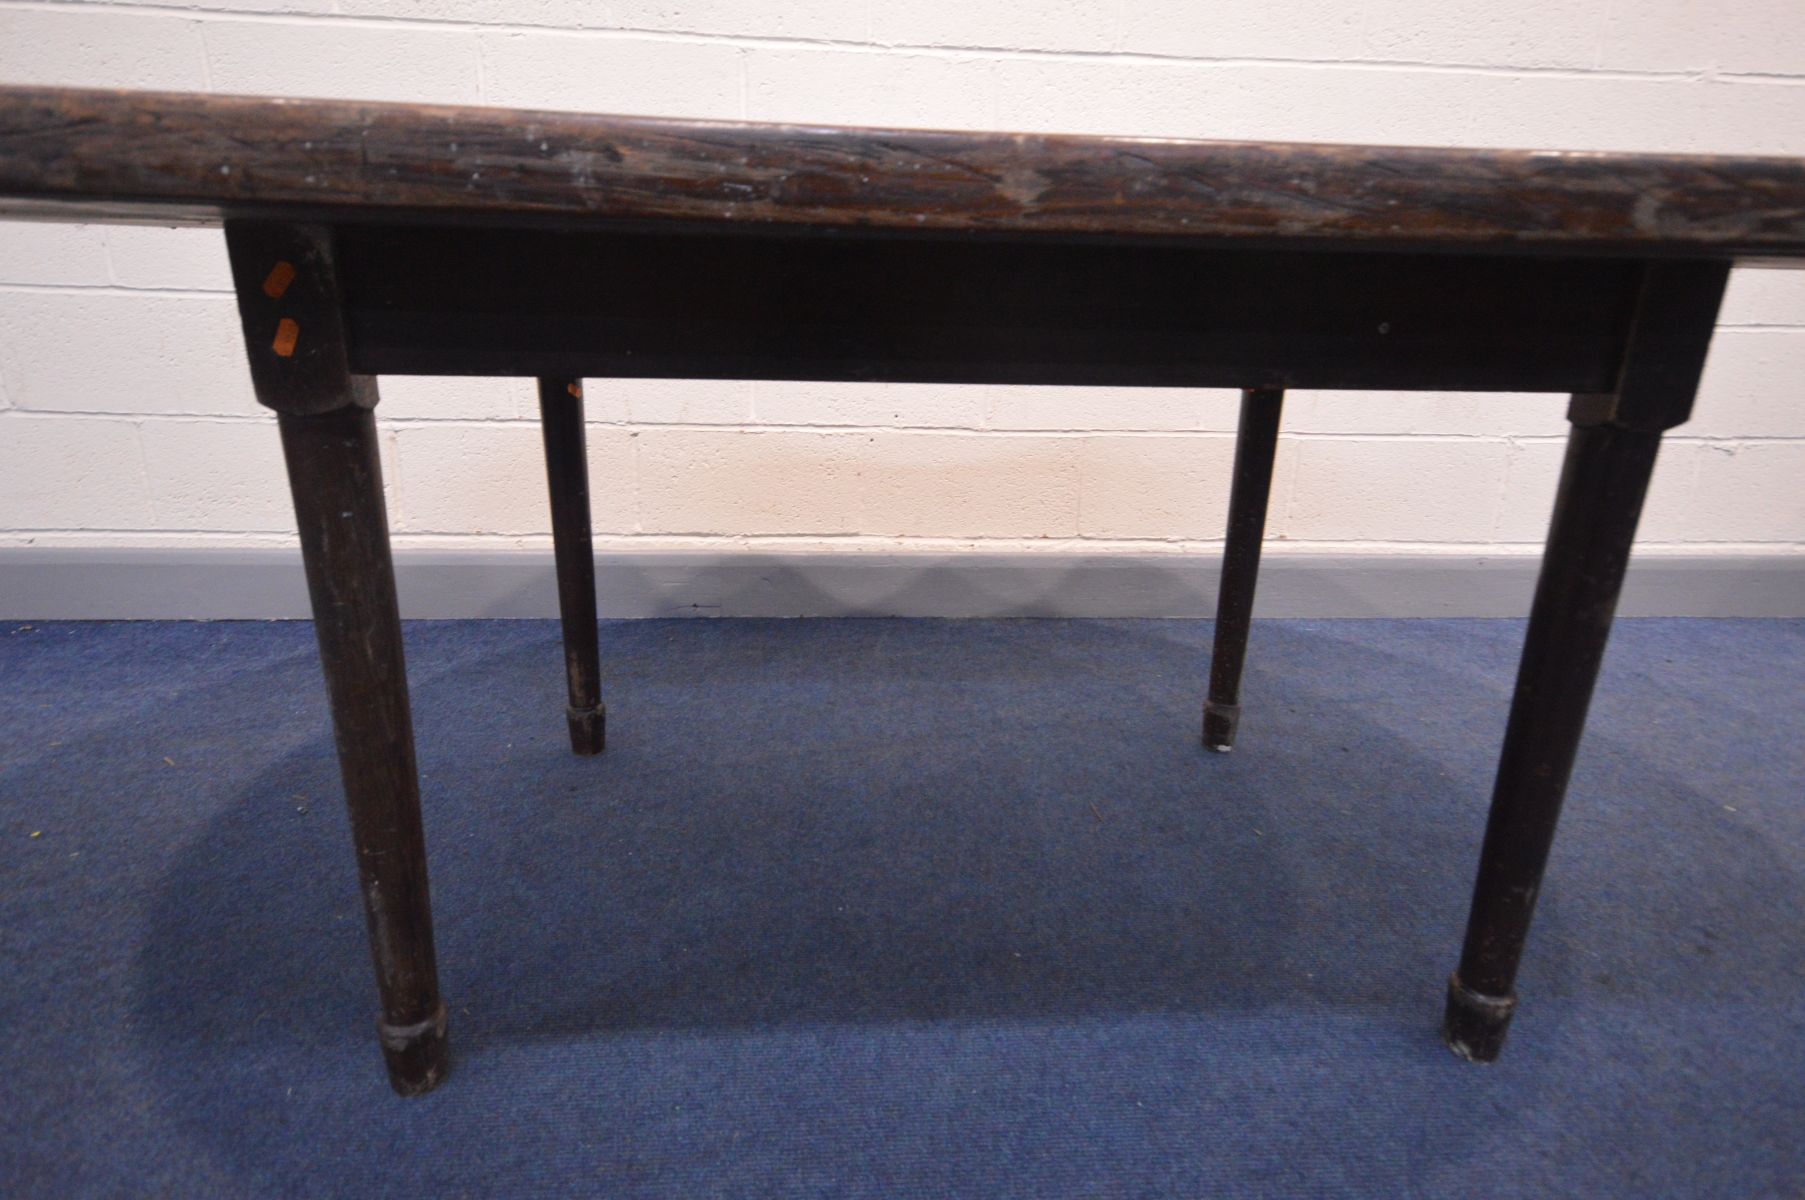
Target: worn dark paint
{"points": [[1664, 352], [1256, 446], [314, 374], [287, 273], [567, 474], [145, 155], [1610, 457], [372, 238], [1603, 481], [336, 478]]}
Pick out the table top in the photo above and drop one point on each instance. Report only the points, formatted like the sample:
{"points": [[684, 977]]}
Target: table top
{"points": [[97, 155]]}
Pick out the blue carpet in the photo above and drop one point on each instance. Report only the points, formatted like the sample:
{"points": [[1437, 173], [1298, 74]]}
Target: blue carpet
{"points": [[898, 909]]}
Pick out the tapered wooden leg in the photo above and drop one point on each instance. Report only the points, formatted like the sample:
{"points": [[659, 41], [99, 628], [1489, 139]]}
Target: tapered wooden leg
{"points": [[1256, 444], [567, 471], [288, 301], [337, 483], [1602, 484], [1610, 455]]}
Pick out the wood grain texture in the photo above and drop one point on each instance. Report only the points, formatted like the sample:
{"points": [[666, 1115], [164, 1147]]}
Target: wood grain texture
{"points": [[157, 156]]}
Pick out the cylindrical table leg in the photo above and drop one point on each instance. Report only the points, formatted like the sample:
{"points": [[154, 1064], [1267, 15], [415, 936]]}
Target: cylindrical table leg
{"points": [[567, 472], [1603, 481], [336, 479], [1256, 445]]}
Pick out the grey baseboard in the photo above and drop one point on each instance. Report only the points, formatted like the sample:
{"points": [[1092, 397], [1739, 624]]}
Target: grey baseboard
{"points": [[261, 584]]}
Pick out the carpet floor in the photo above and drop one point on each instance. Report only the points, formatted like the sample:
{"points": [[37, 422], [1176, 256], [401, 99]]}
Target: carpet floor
{"points": [[905, 908]]}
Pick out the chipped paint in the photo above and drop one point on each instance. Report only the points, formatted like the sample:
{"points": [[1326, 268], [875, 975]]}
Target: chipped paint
{"points": [[87, 148]]}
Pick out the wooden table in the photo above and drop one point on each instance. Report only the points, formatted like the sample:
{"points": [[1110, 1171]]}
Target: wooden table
{"points": [[372, 239]]}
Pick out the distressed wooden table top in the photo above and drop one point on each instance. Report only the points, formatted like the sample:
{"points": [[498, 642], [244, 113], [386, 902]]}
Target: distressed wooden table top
{"points": [[162, 157]]}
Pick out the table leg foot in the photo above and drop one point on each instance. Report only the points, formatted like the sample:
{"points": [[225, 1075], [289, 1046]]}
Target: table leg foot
{"points": [[1474, 1025], [1219, 722], [587, 728], [417, 1055]]}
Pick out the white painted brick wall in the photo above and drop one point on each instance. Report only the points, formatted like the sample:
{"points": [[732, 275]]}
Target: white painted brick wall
{"points": [[126, 416]]}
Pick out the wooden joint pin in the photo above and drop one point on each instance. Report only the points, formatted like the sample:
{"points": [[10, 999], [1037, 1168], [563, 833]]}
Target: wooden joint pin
{"points": [[287, 333], [278, 279]]}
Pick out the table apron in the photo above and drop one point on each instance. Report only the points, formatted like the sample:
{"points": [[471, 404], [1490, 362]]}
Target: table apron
{"points": [[464, 301]]}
